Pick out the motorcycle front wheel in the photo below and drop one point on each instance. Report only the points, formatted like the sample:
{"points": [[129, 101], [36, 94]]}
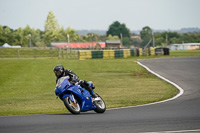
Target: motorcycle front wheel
{"points": [[73, 107], [100, 105]]}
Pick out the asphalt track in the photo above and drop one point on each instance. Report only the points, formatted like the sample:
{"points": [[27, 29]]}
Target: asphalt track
{"points": [[178, 115]]}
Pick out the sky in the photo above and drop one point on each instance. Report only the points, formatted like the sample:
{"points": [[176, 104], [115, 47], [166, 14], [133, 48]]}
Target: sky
{"points": [[100, 14]]}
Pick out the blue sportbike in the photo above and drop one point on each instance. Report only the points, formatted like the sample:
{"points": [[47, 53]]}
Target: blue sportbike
{"points": [[77, 99]]}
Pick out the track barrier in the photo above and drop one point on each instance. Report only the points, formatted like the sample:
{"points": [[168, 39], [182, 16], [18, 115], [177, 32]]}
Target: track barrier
{"points": [[111, 54], [79, 54]]}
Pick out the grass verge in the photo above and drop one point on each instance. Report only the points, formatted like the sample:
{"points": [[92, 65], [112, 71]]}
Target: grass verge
{"points": [[27, 85]]}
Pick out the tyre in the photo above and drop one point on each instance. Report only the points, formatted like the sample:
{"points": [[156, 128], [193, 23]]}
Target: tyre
{"points": [[100, 105], [73, 107]]}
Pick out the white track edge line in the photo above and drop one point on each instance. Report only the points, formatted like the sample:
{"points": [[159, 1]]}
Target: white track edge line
{"points": [[178, 131], [181, 91]]}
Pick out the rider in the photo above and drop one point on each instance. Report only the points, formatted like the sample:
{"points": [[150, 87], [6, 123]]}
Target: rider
{"points": [[73, 78]]}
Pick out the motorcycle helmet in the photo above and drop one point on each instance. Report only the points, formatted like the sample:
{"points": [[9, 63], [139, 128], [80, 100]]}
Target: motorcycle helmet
{"points": [[59, 70]]}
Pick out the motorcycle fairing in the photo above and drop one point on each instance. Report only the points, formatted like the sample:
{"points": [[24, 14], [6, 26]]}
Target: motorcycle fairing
{"points": [[65, 89]]}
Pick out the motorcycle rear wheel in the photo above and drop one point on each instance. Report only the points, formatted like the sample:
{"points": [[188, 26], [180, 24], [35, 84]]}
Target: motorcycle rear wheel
{"points": [[73, 107]]}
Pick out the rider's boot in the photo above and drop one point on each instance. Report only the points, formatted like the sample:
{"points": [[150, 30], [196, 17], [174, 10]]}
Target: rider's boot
{"points": [[91, 91], [94, 95]]}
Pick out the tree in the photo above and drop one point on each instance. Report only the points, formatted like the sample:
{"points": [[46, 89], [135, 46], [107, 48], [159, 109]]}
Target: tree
{"points": [[127, 41], [19, 34], [8, 36], [120, 30], [158, 39], [110, 37], [51, 29], [51, 24], [22, 36], [35, 37], [74, 37], [170, 37], [27, 31], [3, 39], [117, 29], [146, 35]]}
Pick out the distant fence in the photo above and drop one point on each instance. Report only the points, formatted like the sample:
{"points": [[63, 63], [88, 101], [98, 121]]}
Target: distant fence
{"points": [[76, 53], [37, 53], [27, 52]]}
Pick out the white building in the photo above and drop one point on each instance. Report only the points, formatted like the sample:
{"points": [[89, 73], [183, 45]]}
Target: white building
{"points": [[184, 46], [6, 45]]}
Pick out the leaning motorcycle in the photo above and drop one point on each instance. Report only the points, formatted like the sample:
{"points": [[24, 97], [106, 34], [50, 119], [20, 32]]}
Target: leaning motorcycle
{"points": [[77, 99]]}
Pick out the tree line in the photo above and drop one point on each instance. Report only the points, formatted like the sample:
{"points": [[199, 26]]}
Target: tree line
{"points": [[166, 38], [116, 31]]}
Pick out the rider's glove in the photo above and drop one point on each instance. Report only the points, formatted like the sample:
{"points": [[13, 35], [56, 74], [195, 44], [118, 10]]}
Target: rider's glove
{"points": [[81, 81], [77, 83]]}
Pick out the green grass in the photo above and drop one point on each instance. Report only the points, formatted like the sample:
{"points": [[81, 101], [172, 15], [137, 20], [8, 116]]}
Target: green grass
{"points": [[27, 85], [185, 53]]}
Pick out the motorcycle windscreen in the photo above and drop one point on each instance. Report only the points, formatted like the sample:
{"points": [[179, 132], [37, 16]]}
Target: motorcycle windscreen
{"points": [[61, 85]]}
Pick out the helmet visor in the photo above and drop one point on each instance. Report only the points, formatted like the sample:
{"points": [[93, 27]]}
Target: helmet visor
{"points": [[57, 73]]}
